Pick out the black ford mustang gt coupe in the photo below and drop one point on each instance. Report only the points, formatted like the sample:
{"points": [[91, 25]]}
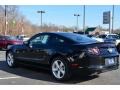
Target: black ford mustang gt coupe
{"points": [[62, 52]]}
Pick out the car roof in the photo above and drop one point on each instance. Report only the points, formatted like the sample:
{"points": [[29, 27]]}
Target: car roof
{"points": [[57, 33]]}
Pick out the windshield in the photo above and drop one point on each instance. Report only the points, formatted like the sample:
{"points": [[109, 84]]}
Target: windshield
{"points": [[78, 38]]}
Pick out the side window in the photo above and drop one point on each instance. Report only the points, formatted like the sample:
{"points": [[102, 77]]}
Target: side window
{"points": [[57, 40], [102, 36], [42, 39]]}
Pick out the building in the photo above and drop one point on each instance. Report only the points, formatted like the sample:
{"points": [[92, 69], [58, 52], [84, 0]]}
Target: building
{"points": [[94, 31]]}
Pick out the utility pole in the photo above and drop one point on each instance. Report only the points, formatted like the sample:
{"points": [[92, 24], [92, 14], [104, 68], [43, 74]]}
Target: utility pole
{"points": [[110, 23], [41, 12], [112, 18], [6, 22], [84, 19], [77, 15]]}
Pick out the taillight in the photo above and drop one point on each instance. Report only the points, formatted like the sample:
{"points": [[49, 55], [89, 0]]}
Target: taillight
{"points": [[94, 50]]}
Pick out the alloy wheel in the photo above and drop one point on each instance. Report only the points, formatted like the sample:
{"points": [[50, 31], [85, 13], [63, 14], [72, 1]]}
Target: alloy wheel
{"points": [[58, 69], [10, 60]]}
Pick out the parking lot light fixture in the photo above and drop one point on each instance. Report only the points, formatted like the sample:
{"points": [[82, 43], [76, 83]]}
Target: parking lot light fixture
{"points": [[77, 15], [112, 18], [41, 12], [84, 8]]}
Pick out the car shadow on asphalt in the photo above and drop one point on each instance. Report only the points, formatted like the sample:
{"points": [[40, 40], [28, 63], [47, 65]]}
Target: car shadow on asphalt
{"points": [[43, 75]]}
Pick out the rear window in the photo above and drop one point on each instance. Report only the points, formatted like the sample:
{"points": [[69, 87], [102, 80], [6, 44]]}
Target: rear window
{"points": [[78, 38], [11, 38]]}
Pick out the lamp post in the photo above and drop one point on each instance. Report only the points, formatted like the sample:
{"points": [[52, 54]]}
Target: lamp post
{"points": [[84, 19], [112, 18], [77, 15], [41, 12]]}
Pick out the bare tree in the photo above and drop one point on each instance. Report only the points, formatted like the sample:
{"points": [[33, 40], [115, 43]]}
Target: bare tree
{"points": [[18, 24]]}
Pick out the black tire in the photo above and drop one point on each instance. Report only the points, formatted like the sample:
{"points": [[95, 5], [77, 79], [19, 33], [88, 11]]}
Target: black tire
{"points": [[67, 73], [11, 62]]}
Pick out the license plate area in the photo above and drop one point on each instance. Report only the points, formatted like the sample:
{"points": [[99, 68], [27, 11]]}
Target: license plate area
{"points": [[110, 61]]}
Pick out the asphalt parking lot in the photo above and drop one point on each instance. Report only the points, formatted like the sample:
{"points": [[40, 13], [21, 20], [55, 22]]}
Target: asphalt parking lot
{"points": [[28, 76]]}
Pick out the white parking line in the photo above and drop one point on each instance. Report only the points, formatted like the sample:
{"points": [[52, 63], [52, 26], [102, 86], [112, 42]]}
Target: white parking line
{"points": [[9, 77]]}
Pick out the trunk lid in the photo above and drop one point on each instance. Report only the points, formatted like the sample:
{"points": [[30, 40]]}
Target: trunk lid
{"points": [[105, 48]]}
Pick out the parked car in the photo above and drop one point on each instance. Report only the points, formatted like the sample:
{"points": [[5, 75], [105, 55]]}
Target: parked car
{"points": [[8, 41], [22, 37], [97, 39], [63, 53], [111, 38]]}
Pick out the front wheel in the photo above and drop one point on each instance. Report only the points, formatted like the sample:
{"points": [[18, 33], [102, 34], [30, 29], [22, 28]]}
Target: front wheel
{"points": [[60, 69], [10, 60]]}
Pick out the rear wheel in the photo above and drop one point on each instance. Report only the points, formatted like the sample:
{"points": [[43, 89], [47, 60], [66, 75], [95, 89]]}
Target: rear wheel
{"points": [[60, 69], [10, 60]]}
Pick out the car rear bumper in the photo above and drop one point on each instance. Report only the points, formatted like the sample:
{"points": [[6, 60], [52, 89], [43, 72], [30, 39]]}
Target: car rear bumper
{"points": [[102, 69], [97, 64]]}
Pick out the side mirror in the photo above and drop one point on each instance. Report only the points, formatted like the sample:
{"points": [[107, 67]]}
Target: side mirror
{"points": [[27, 44]]}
